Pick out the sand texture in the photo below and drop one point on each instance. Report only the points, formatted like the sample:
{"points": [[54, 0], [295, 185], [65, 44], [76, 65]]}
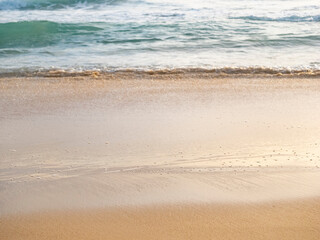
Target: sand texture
{"points": [[159, 156], [277, 221]]}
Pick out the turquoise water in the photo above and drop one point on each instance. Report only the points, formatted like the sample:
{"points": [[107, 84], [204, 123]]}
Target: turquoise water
{"points": [[148, 34]]}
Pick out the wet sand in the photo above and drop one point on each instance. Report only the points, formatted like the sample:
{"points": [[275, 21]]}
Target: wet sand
{"points": [[167, 155]]}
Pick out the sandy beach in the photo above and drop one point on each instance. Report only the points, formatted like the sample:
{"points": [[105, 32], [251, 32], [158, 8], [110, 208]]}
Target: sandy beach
{"points": [[285, 220], [159, 155]]}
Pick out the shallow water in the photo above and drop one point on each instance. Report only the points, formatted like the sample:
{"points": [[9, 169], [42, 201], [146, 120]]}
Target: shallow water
{"points": [[107, 35]]}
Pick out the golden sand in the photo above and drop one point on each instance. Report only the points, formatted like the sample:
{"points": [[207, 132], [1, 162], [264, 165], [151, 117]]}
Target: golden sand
{"points": [[277, 221], [86, 156]]}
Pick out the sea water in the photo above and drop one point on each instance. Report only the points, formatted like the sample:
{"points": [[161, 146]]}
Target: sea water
{"points": [[157, 34]]}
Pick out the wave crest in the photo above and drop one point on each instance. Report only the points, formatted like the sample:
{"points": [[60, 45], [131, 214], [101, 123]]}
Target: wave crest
{"points": [[293, 18], [49, 4]]}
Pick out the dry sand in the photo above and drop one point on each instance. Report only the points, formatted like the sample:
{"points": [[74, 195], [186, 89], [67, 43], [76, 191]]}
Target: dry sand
{"points": [[285, 220], [159, 156]]}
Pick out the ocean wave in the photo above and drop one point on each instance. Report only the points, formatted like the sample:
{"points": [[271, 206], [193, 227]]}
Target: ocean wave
{"points": [[39, 33], [170, 37], [135, 40], [293, 18], [50, 4], [10, 52]]}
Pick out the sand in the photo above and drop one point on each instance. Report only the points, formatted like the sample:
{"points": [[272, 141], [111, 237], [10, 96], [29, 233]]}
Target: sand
{"points": [[160, 156], [285, 220]]}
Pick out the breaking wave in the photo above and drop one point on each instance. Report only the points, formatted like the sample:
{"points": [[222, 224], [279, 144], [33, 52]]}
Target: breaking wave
{"points": [[293, 18], [50, 4]]}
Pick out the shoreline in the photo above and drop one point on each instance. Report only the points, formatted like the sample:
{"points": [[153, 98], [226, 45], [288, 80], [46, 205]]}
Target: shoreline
{"points": [[191, 72]]}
